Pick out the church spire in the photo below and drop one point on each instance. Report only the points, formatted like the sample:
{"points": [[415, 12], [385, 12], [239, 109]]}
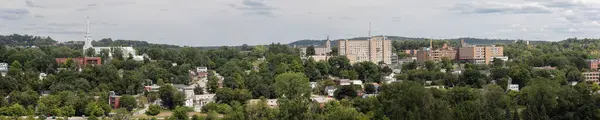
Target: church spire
{"points": [[88, 37]]}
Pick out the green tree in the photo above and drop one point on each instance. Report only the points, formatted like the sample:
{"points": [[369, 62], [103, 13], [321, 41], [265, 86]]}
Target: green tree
{"points": [[180, 113], [293, 90], [228, 95], [153, 110], [94, 109], [260, 111], [128, 102], [406, 100], [368, 71], [310, 50], [346, 91], [349, 74], [170, 96], [122, 114], [90, 52], [213, 84]]}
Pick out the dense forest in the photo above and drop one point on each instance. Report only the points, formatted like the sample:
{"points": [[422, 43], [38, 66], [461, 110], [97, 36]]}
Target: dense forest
{"points": [[479, 92]]}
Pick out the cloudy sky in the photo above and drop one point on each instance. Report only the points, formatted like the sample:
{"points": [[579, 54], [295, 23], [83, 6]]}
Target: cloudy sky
{"points": [[235, 22]]}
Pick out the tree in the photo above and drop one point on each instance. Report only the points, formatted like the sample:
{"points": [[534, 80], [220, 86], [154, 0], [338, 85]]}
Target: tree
{"points": [[90, 52], [339, 63], [310, 50], [260, 111], [117, 53], [15, 69], [472, 77], [346, 91], [349, 74], [575, 76], [94, 109], [368, 71], [198, 90], [406, 100], [228, 95], [15, 110], [170, 96], [370, 88], [128, 102], [122, 114], [293, 90], [153, 110], [180, 113], [213, 84], [335, 111], [311, 70]]}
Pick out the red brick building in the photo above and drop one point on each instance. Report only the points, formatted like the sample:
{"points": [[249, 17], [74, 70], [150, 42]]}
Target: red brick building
{"points": [[81, 62]]}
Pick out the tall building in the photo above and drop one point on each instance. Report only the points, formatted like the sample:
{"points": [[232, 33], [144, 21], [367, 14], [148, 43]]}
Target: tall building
{"points": [[480, 54], [375, 49]]}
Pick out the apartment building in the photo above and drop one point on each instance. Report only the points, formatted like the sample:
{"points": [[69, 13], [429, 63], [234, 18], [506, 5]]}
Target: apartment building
{"points": [[480, 54], [425, 54], [320, 51], [593, 64], [592, 76], [376, 49]]}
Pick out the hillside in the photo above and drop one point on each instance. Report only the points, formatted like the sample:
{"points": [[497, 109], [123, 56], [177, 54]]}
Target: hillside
{"points": [[472, 41]]}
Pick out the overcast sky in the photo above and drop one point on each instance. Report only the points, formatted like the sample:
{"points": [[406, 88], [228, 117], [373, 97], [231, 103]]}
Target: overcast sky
{"points": [[236, 22]]}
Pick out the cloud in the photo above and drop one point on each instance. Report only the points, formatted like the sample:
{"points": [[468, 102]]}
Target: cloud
{"points": [[29, 3], [504, 8], [255, 7], [14, 14]]}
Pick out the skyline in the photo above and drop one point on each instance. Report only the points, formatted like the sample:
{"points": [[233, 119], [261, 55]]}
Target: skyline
{"points": [[236, 22]]}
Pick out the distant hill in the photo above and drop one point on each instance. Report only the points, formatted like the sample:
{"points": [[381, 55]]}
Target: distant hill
{"points": [[25, 40], [472, 41]]}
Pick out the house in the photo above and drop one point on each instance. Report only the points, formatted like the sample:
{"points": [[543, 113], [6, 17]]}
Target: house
{"points": [[201, 100], [343, 82], [330, 90], [272, 103], [321, 100], [3, 68], [42, 76], [188, 91], [113, 99], [152, 88], [313, 85], [358, 83], [514, 87]]}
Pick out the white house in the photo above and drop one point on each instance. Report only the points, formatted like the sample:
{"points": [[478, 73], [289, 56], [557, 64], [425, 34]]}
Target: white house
{"points": [[201, 100], [330, 90], [514, 87], [3, 68], [270, 102]]}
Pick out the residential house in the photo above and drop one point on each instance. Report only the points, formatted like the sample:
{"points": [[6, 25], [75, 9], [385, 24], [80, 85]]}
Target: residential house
{"points": [[330, 90], [3, 68], [272, 103], [321, 100], [201, 100]]}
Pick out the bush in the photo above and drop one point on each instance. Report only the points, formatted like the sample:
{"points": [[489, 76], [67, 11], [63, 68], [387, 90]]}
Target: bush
{"points": [[153, 110]]}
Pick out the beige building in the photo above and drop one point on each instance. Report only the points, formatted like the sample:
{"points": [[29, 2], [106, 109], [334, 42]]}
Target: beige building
{"points": [[425, 54], [375, 50], [480, 54], [320, 51], [592, 77]]}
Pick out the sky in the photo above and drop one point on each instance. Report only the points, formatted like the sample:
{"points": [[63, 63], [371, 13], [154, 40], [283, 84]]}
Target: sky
{"points": [[236, 22]]}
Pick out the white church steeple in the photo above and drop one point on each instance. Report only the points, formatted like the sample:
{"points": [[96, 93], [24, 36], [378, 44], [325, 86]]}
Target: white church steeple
{"points": [[88, 36]]}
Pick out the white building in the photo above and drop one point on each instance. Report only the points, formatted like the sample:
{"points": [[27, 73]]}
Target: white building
{"points": [[330, 90], [3, 68], [514, 87], [272, 103], [126, 51], [201, 100], [313, 85]]}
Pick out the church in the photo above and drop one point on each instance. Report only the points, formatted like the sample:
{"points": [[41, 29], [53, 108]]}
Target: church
{"points": [[126, 50]]}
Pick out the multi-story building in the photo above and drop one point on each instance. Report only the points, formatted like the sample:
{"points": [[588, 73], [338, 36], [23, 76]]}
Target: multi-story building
{"points": [[480, 54], [592, 76], [425, 54], [376, 49], [593, 64], [201, 100], [320, 51]]}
